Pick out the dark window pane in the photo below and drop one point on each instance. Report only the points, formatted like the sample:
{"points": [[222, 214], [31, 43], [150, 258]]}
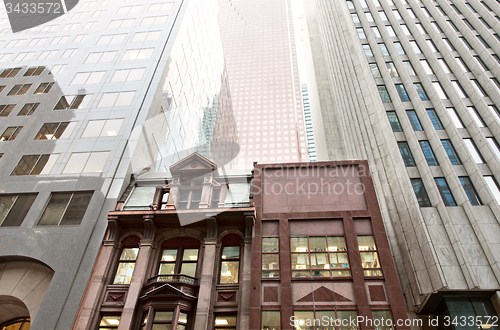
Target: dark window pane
{"points": [[406, 154], [40, 165], [6, 109], [421, 92], [445, 192], [415, 123], [62, 104], [450, 151], [25, 165], [428, 154], [76, 208], [434, 119], [469, 190], [403, 95], [420, 192], [383, 94], [55, 209], [19, 210], [393, 119]]}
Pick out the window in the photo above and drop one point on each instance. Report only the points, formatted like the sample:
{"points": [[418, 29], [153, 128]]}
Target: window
{"points": [[304, 319], [155, 20], [449, 45], [390, 31], [383, 49], [230, 262], [147, 36], [478, 88], [6, 109], [43, 88], [189, 199], [450, 151], [19, 89], [493, 185], [88, 78], [404, 149], [393, 120], [420, 192], [111, 39], [101, 57], [375, 31], [9, 73], [10, 133], [73, 102], [68, 53], [81, 37], [179, 258], [117, 99], [2, 88], [384, 95], [475, 115], [445, 192], [420, 28], [54, 131], [57, 69], [454, 117], [367, 50], [138, 54], [415, 47], [384, 318], [439, 90], [399, 48], [115, 24], [350, 4], [86, 162], [473, 151], [466, 43], [426, 66], [431, 45], [355, 18], [164, 320], [369, 256], [129, 9], [361, 33], [34, 71], [462, 64], [15, 43], [481, 63], [271, 320], [65, 208], [382, 15], [403, 95], [126, 266], [28, 109], [128, 75], [392, 69], [421, 92], [494, 146], [35, 164], [485, 44], [102, 128], [405, 30], [16, 324], [428, 153], [434, 119], [470, 190], [408, 68], [60, 40], [411, 13], [323, 256], [160, 6], [484, 23], [14, 208], [458, 88], [270, 257], [436, 27], [375, 70], [227, 322], [415, 123]]}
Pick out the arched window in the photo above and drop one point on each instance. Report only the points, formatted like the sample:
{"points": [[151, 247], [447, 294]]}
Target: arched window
{"points": [[230, 259], [179, 256], [16, 324], [126, 263]]}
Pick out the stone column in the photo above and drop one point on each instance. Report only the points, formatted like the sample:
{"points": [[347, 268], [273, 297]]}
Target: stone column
{"points": [[139, 276], [244, 292], [204, 307], [89, 309]]}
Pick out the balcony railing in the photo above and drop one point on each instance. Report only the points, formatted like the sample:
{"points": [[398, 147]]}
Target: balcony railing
{"points": [[174, 278]]}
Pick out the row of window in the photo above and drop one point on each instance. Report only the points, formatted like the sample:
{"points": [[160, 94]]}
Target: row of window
{"points": [[63, 208]]}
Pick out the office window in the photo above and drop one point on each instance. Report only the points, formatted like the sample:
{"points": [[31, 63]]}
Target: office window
{"points": [[496, 82], [88, 78], [363, 4], [36, 71], [230, 265], [121, 23], [485, 44], [109, 322], [439, 90], [466, 43], [35, 164], [2, 88], [453, 26], [408, 68], [270, 257], [68, 53], [478, 88], [155, 20], [129, 9], [471, 146], [225, 322], [392, 69], [458, 88], [431, 45], [462, 64], [420, 193], [54, 131], [399, 48], [470, 190], [369, 256], [361, 33], [445, 192], [396, 14], [384, 95], [10, 133], [350, 4], [454, 117], [494, 146], [14, 208], [450, 151], [43, 88], [57, 69], [86, 162], [382, 317], [405, 30], [390, 31], [436, 27], [138, 54], [147, 36], [367, 50], [6, 109], [375, 31], [183, 259], [161, 6], [403, 95], [128, 75], [65, 208], [102, 128], [9, 73], [304, 319], [271, 320], [19, 89], [394, 121], [81, 37], [434, 119], [15, 43], [420, 28], [475, 115], [60, 40], [70, 27], [404, 149], [426, 67], [382, 15], [72, 102], [118, 99], [126, 266], [355, 18], [4, 57], [485, 23], [111, 39], [383, 49], [481, 63], [444, 65], [428, 153], [375, 70], [493, 185], [449, 45], [415, 47], [100, 57]]}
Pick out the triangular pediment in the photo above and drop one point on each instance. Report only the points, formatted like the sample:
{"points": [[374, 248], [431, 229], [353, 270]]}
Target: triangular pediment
{"points": [[323, 294], [192, 166], [167, 289]]}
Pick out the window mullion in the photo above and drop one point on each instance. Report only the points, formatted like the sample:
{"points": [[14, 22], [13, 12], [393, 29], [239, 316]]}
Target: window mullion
{"points": [[36, 163], [10, 209], [65, 209], [178, 261]]}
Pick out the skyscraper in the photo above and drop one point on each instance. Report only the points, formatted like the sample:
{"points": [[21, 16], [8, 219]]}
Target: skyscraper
{"points": [[110, 89], [413, 87], [259, 48]]}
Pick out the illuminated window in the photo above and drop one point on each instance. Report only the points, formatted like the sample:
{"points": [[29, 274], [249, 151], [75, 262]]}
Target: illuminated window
{"points": [[10, 133], [369, 256], [126, 266], [109, 322], [54, 131], [73, 102], [230, 260], [35, 164], [179, 256], [270, 257], [271, 320]]}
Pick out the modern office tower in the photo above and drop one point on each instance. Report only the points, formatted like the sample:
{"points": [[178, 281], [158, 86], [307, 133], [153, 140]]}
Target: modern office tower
{"points": [[311, 146], [110, 89], [415, 90], [259, 48]]}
